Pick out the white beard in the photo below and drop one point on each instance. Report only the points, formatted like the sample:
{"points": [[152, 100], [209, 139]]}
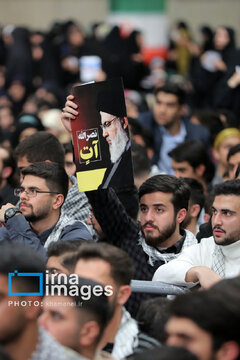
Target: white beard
{"points": [[118, 143]]}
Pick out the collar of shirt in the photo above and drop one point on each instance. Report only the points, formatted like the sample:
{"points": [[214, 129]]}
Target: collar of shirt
{"points": [[169, 142]]}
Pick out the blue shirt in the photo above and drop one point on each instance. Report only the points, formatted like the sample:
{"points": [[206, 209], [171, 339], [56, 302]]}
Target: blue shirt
{"points": [[169, 142]]}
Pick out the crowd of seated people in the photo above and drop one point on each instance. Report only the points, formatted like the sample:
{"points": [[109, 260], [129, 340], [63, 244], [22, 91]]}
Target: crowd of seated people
{"points": [[179, 224]]}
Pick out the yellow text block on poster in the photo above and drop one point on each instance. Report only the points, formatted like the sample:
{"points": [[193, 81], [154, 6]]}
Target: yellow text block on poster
{"points": [[90, 180]]}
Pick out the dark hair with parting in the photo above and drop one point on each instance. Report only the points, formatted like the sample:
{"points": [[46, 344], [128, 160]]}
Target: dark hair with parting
{"points": [[122, 268], [168, 184], [41, 146], [55, 175], [174, 89]]}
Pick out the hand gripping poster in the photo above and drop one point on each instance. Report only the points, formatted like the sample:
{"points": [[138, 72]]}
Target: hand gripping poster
{"points": [[100, 135]]}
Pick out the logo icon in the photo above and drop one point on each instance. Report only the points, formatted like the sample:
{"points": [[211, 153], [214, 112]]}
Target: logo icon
{"points": [[38, 276]]}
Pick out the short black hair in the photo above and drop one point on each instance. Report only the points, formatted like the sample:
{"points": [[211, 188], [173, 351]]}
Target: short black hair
{"points": [[24, 260], [229, 187], [54, 174], [122, 268], [197, 192], [174, 89], [168, 184], [152, 317], [195, 153], [61, 247], [41, 146], [214, 312], [165, 352], [234, 149], [141, 162]]}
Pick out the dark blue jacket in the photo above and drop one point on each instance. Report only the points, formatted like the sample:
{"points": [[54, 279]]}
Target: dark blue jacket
{"points": [[194, 132]]}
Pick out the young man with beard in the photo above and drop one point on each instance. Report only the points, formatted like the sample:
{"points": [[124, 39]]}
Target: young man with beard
{"points": [[42, 193], [215, 257], [114, 125], [163, 207]]}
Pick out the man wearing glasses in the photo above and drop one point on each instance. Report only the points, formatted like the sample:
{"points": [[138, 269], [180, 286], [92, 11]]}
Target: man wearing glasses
{"points": [[42, 193]]}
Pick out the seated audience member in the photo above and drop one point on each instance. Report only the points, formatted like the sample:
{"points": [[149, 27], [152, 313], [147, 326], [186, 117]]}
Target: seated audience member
{"points": [[224, 141], [215, 257], [233, 159], [8, 176], [195, 205], [152, 317], [20, 335], [31, 150], [110, 265], [80, 324], [165, 353], [168, 125], [206, 323], [191, 159], [142, 168], [205, 229], [42, 193], [70, 166], [57, 251]]}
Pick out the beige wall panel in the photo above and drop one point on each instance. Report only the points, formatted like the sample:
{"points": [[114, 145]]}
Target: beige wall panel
{"points": [[42, 13]]}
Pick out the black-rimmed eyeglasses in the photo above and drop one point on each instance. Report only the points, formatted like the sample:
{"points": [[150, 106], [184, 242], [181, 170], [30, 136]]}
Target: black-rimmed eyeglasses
{"points": [[32, 192], [108, 123]]}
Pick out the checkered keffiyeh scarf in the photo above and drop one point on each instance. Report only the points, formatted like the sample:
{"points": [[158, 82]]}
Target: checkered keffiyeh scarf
{"points": [[218, 261], [156, 255], [126, 339], [76, 204], [49, 349]]}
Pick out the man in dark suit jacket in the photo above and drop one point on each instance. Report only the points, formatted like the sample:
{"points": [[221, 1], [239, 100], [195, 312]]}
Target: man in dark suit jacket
{"points": [[168, 125]]}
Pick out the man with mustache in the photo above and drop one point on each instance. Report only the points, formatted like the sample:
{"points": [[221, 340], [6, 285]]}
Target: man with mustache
{"points": [[42, 192], [215, 257], [163, 201]]}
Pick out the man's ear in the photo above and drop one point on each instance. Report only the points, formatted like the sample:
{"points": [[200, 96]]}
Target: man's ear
{"points": [[181, 215], [124, 122], [124, 293], [59, 199], [195, 210], [6, 172], [228, 351], [88, 333], [200, 170]]}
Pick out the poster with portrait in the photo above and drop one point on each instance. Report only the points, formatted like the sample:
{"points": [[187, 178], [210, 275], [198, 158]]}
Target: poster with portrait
{"points": [[100, 135]]}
